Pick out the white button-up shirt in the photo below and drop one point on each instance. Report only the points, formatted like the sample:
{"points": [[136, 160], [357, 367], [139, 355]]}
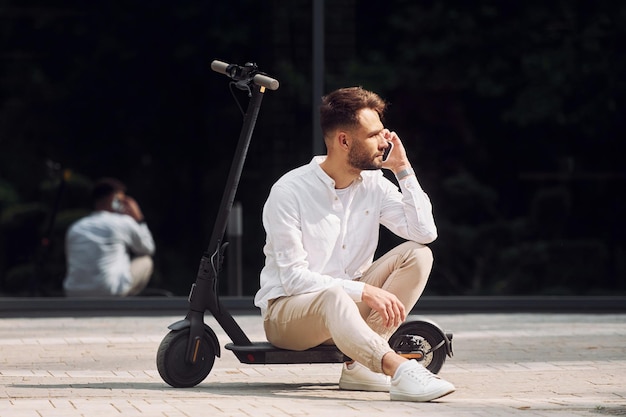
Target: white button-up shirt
{"points": [[314, 241], [97, 248]]}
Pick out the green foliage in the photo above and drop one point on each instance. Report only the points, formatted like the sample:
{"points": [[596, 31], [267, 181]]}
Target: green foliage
{"points": [[553, 62], [499, 95], [563, 267], [489, 97], [8, 195]]}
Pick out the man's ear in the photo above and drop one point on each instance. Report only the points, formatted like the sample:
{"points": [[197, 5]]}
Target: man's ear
{"points": [[343, 140]]}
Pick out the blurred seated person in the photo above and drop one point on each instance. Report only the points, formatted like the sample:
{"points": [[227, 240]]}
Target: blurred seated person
{"points": [[109, 252]]}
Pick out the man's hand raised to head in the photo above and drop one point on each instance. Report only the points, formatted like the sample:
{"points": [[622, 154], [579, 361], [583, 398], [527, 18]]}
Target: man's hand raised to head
{"points": [[132, 208], [398, 159]]}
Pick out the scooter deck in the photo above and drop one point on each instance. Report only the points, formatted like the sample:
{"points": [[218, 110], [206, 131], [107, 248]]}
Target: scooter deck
{"points": [[262, 353]]}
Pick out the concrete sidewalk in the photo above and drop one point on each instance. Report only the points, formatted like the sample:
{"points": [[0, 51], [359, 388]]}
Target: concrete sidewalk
{"points": [[504, 365]]}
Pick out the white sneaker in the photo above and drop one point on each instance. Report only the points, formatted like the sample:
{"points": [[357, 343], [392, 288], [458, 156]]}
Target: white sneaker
{"points": [[413, 382], [360, 378]]}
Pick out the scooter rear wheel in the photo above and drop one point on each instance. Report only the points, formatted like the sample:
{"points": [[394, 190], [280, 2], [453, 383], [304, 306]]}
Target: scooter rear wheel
{"points": [[173, 365], [430, 353]]}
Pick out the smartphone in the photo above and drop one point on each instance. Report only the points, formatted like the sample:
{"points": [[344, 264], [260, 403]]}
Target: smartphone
{"points": [[117, 205], [387, 151]]}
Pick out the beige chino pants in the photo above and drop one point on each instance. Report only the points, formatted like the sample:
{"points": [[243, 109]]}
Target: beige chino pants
{"points": [[304, 321], [141, 269]]}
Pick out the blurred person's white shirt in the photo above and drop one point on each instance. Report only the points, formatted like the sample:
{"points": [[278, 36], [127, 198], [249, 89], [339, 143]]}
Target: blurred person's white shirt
{"points": [[99, 249]]}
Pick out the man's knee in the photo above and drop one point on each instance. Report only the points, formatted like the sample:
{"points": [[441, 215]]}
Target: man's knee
{"points": [[418, 255], [141, 268]]}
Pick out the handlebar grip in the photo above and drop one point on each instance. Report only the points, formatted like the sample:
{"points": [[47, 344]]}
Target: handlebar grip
{"points": [[258, 79], [265, 81], [219, 66]]}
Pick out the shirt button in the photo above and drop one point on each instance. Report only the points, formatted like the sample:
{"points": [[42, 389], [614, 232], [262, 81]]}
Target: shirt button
{"points": [[343, 246]]}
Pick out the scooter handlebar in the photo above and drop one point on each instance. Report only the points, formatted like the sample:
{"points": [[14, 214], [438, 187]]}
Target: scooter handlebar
{"points": [[258, 79], [219, 66], [265, 81]]}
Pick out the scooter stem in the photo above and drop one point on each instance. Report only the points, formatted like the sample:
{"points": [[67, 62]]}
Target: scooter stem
{"points": [[204, 293]]}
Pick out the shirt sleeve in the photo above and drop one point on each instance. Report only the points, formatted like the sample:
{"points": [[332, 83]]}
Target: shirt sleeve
{"points": [[354, 289], [140, 240], [408, 213]]}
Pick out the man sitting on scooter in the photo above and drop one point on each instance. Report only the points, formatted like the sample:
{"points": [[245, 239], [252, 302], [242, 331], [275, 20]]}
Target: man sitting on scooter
{"points": [[319, 283]]}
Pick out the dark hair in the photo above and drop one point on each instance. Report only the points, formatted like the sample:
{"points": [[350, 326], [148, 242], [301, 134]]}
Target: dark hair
{"points": [[104, 187], [340, 108]]}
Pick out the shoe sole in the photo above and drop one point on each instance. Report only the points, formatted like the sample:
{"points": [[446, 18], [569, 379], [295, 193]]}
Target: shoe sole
{"points": [[399, 396], [355, 386]]}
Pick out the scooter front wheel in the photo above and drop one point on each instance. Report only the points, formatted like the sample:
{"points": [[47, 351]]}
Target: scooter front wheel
{"points": [[173, 365], [425, 344]]}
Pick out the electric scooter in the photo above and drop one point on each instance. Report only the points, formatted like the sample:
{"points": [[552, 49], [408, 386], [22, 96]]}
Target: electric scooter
{"points": [[187, 353]]}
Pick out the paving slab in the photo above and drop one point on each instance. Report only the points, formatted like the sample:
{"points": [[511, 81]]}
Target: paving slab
{"points": [[504, 365]]}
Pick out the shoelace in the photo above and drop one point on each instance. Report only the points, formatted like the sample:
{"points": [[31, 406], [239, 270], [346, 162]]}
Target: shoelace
{"points": [[421, 374]]}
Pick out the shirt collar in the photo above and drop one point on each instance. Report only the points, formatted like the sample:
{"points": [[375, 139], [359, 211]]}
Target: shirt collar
{"points": [[322, 175]]}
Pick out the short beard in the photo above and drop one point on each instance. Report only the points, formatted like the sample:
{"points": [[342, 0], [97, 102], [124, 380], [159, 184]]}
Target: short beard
{"points": [[362, 161]]}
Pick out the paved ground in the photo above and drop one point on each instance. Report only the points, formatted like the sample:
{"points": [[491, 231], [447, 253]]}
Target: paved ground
{"points": [[504, 365]]}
